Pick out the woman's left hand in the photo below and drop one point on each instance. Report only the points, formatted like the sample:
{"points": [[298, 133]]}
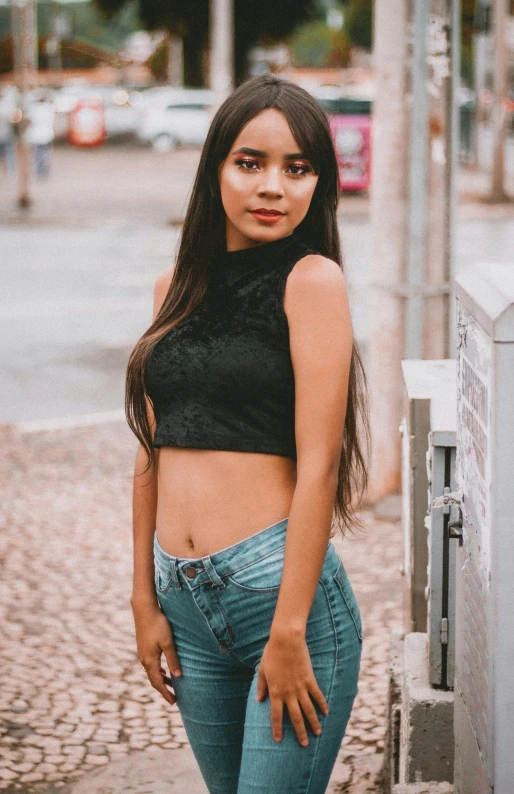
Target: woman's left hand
{"points": [[285, 672]]}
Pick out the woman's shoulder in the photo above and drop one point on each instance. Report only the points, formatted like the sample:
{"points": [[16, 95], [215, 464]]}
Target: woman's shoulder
{"points": [[311, 266], [161, 287]]}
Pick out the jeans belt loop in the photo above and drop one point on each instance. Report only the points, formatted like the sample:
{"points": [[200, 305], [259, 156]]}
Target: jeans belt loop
{"points": [[212, 573]]}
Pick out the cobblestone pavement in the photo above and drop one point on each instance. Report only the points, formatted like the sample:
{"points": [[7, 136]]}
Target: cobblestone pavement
{"points": [[73, 696]]}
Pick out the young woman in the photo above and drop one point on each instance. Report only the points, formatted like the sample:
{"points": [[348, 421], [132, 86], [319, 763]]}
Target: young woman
{"points": [[245, 394]]}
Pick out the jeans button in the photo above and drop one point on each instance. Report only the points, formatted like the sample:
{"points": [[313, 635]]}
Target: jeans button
{"points": [[191, 573]]}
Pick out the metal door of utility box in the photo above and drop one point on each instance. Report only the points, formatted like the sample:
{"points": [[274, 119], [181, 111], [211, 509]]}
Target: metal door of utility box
{"points": [[484, 662], [428, 463], [441, 555]]}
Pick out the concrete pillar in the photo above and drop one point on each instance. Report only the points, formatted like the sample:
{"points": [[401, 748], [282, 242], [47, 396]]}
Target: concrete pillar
{"points": [[221, 66], [388, 223], [175, 60]]}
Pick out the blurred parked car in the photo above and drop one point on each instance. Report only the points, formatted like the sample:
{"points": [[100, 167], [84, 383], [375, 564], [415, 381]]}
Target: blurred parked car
{"points": [[119, 105], [174, 116]]}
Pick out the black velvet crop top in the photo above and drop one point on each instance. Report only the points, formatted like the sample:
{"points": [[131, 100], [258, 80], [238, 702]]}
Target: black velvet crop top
{"points": [[223, 377]]}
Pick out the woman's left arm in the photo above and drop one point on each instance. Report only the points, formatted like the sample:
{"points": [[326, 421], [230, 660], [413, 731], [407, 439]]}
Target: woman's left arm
{"points": [[321, 337]]}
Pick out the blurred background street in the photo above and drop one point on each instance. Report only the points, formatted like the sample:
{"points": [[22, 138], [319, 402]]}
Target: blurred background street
{"points": [[79, 268]]}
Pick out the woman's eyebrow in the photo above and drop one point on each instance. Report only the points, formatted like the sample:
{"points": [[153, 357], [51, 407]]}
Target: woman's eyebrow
{"points": [[258, 153]]}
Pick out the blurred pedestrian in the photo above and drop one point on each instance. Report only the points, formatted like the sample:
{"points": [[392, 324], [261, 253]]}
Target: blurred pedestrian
{"points": [[40, 133], [244, 393], [7, 138]]}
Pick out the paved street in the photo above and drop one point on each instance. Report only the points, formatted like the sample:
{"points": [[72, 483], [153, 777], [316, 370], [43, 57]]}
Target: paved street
{"points": [[73, 696]]}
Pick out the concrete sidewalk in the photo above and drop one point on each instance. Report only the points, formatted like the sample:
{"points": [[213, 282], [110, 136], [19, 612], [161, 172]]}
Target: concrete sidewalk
{"points": [[77, 712]]}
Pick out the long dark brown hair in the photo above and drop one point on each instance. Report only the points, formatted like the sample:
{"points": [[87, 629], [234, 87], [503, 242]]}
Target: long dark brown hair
{"points": [[203, 235]]}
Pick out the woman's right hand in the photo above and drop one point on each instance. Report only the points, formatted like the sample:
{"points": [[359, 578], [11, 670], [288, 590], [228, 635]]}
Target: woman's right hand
{"points": [[154, 637]]}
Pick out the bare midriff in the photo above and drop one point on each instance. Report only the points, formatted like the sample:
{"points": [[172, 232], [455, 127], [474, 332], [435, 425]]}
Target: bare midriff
{"points": [[210, 499]]}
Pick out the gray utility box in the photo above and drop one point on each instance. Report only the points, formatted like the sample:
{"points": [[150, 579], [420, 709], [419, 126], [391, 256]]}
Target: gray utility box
{"points": [[484, 661], [428, 473]]}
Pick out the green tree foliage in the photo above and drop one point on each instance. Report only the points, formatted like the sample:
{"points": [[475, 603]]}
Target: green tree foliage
{"points": [[6, 54], [316, 45], [467, 31], [75, 54], [90, 37], [266, 23], [158, 62], [358, 22]]}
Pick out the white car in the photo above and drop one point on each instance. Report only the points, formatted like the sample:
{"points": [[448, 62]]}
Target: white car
{"points": [[179, 115]]}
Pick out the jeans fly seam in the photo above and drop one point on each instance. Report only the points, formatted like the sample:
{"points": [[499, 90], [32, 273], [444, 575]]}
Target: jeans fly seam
{"points": [[227, 624], [205, 618]]}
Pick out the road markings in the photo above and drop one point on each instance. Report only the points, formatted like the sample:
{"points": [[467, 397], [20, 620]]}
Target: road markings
{"points": [[57, 308]]}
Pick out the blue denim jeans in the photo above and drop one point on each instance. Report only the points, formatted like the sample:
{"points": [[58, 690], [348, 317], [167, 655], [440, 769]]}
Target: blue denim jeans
{"points": [[220, 608]]}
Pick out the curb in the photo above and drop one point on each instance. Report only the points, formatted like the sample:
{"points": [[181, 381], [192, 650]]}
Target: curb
{"points": [[64, 422]]}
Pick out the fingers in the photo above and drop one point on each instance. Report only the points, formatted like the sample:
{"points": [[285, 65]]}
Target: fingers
{"points": [[156, 678], [297, 707], [277, 711], [318, 695], [310, 712], [172, 659], [167, 680], [262, 685], [296, 715]]}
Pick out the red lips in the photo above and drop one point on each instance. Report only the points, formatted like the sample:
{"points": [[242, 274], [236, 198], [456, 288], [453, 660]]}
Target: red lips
{"points": [[267, 216], [263, 211]]}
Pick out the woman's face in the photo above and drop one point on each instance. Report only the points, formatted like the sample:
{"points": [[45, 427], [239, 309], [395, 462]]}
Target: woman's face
{"points": [[265, 170]]}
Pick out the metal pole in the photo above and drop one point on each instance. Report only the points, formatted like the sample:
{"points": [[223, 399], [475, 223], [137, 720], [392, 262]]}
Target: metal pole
{"points": [[453, 145], [499, 115], [24, 26], [440, 178], [221, 76], [416, 228], [481, 58]]}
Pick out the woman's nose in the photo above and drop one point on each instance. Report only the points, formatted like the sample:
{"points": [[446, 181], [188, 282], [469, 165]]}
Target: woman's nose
{"points": [[271, 182]]}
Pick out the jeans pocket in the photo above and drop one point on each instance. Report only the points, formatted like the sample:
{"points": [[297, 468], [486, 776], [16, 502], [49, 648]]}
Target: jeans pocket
{"points": [[162, 579], [263, 575], [342, 581]]}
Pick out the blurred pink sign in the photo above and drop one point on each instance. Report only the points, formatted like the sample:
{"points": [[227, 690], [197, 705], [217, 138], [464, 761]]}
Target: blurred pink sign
{"points": [[352, 142]]}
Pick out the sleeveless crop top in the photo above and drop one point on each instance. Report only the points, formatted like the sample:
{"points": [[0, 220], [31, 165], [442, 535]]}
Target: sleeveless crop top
{"points": [[223, 377]]}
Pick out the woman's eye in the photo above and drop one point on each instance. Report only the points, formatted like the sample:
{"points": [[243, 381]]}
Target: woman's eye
{"points": [[300, 169], [247, 164]]}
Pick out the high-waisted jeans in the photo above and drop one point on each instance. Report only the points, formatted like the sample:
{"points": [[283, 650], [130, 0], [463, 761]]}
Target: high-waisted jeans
{"points": [[220, 608]]}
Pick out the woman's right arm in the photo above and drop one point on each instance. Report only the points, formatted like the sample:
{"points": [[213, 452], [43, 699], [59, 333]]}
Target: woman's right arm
{"points": [[153, 630]]}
